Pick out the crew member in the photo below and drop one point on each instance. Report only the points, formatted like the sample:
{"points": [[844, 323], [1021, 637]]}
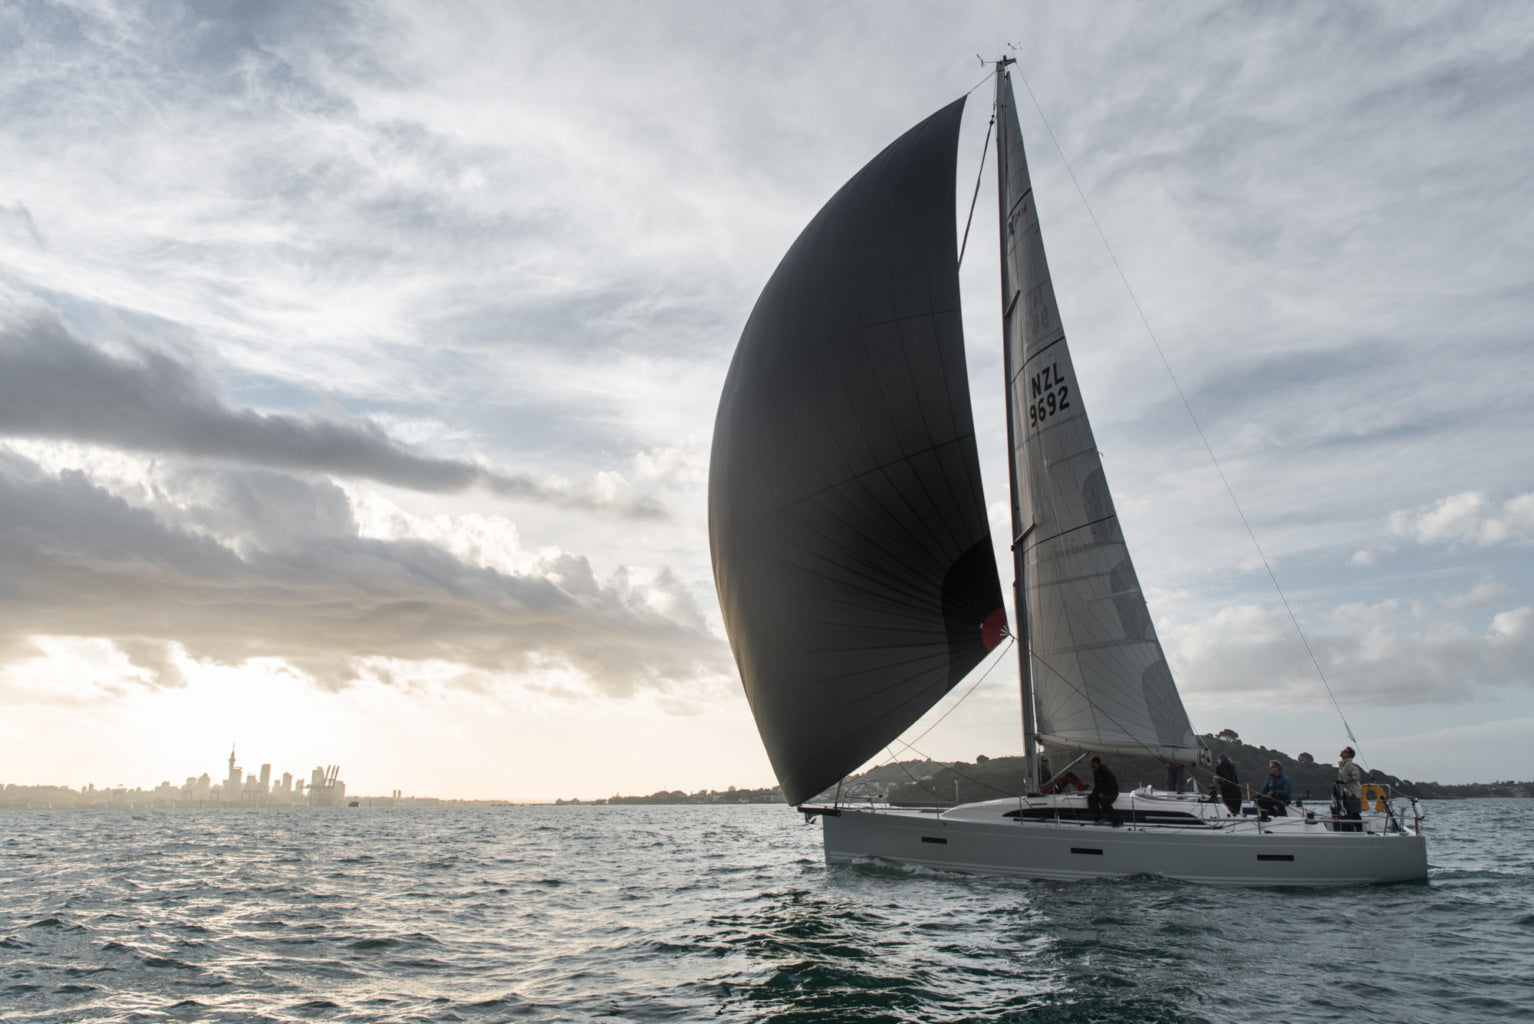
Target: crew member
{"points": [[1230, 786], [1105, 790], [1276, 791], [1350, 780]]}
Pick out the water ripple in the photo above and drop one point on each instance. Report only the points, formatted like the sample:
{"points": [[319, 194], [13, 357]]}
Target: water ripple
{"points": [[719, 914]]}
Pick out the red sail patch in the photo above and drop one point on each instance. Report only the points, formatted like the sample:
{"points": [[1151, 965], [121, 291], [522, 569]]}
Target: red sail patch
{"points": [[993, 628]]}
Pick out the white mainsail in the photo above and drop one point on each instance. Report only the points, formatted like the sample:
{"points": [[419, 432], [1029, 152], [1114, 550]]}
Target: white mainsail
{"points": [[1099, 677]]}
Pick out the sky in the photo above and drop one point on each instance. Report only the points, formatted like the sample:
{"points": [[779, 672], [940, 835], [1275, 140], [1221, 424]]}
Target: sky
{"points": [[359, 362]]}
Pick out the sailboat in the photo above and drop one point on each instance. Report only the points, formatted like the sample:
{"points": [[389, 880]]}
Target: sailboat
{"points": [[858, 579]]}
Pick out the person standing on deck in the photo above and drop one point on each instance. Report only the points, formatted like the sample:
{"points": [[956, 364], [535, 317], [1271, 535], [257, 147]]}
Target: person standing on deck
{"points": [[1230, 786], [1350, 779], [1105, 790]]}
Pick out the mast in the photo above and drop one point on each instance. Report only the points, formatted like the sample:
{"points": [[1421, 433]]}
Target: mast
{"points": [[1010, 294]]}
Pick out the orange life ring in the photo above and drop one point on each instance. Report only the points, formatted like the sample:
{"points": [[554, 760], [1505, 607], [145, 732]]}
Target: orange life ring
{"points": [[1374, 797]]}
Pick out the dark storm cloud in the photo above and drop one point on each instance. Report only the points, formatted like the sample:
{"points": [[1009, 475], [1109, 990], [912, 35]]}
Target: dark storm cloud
{"points": [[77, 560], [56, 386]]}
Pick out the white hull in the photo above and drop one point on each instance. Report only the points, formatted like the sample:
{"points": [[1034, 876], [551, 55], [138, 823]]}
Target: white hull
{"points": [[1192, 841]]}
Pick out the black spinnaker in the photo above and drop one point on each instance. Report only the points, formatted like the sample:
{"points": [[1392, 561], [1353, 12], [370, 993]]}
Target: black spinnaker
{"points": [[849, 535]]}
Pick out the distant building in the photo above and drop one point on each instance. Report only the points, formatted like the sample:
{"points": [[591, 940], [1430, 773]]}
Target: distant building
{"points": [[325, 787], [234, 784]]}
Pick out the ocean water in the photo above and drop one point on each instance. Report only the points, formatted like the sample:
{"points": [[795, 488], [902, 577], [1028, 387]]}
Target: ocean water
{"points": [[598, 913]]}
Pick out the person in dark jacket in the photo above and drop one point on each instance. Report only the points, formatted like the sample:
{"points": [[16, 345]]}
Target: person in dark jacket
{"points": [[1275, 791], [1230, 786], [1105, 790]]}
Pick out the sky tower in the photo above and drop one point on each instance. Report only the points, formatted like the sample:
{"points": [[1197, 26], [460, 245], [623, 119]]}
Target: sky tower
{"points": [[232, 783]]}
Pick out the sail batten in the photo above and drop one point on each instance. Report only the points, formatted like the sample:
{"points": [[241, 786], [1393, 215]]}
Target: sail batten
{"points": [[851, 548]]}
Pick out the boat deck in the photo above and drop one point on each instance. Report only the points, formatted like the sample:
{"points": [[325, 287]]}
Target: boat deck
{"points": [[1151, 832], [1147, 808]]}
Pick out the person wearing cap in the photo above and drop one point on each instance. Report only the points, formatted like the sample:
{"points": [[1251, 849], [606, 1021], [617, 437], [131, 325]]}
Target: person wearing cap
{"points": [[1105, 790], [1230, 786], [1350, 782], [1275, 791]]}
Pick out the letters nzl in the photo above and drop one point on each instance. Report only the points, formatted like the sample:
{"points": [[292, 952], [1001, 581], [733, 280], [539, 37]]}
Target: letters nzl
{"points": [[1050, 395], [1046, 380]]}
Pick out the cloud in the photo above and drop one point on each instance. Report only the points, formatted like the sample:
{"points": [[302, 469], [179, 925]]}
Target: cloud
{"points": [[256, 509], [1482, 595], [1471, 517], [57, 386], [79, 560], [1467, 519], [17, 221], [157, 658], [1371, 653]]}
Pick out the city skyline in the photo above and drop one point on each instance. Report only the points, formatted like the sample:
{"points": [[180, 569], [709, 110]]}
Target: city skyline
{"points": [[238, 788], [360, 367]]}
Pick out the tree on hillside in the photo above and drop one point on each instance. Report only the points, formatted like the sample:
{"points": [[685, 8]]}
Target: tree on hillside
{"points": [[1229, 735], [1305, 758]]}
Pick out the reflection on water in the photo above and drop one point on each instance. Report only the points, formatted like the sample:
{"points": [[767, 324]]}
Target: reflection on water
{"points": [[710, 913]]}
